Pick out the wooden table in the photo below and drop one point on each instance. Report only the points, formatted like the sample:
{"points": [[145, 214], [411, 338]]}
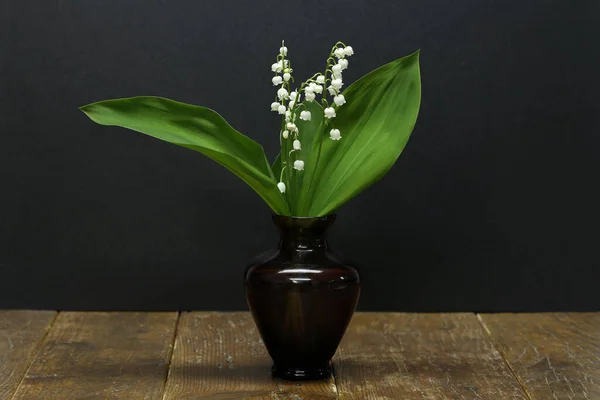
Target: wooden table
{"points": [[213, 355]]}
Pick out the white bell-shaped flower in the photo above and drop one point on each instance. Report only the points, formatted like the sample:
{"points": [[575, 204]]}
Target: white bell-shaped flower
{"points": [[278, 66], [334, 134], [285, 134], [339, 52], [281, 109], [305, 115], [287, 76], [329, 112], [283, 51], [277, 80], [275, 106], [288, 115], [309, 96], [337, 84], [320, 79], [339, 100], [299, 165], [282, 94], [309, 89], [348, 51], [297, 145], [291, 104], [332, 91], [343, 63], [281, 187], [337, 68], [291, 127], [293, 95], [337, 75], [318, 88]]}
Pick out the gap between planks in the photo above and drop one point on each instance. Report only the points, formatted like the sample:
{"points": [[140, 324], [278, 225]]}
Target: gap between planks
{"points": [[170, 356], [512, 371], [38, 347]]}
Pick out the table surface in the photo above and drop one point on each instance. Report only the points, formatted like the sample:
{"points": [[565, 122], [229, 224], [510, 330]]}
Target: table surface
{"points": [[217, 355]]}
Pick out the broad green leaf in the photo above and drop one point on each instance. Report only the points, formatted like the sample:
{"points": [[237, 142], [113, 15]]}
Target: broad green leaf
{"points": [[310, 135], [276, 166], [196, 128], [375, 125]]}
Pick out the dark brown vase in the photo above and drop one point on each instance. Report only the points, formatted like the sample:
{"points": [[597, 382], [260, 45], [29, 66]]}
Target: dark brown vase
{"points": [[302, 298]]}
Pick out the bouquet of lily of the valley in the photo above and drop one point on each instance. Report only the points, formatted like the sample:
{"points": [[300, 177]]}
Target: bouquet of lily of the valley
{"points": [[335, 142]]}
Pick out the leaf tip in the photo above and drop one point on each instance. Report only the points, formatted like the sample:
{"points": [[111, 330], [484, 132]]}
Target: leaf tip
{"points": [[84, 108]]}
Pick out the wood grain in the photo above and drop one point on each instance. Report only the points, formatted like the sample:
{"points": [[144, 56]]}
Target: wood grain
{"points": [[21, 334], [221, 356], [555, 356], [421, 356], [102, 355]]}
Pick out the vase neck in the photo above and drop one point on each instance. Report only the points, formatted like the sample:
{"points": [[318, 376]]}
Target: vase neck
{"points": [[303, 233]]}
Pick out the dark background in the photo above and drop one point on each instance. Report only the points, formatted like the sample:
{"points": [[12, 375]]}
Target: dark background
{"points": [[492, 206]]}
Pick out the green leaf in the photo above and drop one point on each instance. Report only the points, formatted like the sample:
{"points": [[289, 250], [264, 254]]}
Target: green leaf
{"points": [[375, 125], [196, 128], [276, 166], [311, 135]]}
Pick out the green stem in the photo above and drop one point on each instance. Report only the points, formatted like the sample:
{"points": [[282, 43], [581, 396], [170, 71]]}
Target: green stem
{"points": [[281, 174], [325, 103]]}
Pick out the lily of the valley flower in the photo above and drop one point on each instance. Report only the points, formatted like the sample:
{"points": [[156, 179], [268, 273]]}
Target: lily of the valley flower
{"points": [[337, 84], [281, 187], [334, 134], [297, 145], [299, 165], [329, 112], [281, 109], [283, 50], [348, 51], [292, 127], [337, 68], [331, 90], [277, 80], [339, 100], [275, 106], [339, 52], [305, 115], [280, 66], [287, 76], [343, 63], [282, 94], [320, 79], [285, 134], [293, 95], [316, 87], [309, 96]]}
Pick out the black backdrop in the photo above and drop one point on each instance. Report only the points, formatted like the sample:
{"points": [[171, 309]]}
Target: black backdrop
{"points": [[492, 206]]}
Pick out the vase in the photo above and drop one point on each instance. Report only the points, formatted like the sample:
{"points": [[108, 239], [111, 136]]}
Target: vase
{"points": [[301, 298]]}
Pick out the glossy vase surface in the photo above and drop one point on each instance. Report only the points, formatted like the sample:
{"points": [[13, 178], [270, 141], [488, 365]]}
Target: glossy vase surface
{"points": [[302, 298]]}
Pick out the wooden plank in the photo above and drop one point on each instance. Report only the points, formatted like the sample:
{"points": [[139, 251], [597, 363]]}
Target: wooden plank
{"points": [[102, 355], [421, 356], [221, 356], [21, 334], [555, 356]]}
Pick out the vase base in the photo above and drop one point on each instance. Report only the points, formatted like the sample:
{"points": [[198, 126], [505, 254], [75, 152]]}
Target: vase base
{"points": [[300, 373]]}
